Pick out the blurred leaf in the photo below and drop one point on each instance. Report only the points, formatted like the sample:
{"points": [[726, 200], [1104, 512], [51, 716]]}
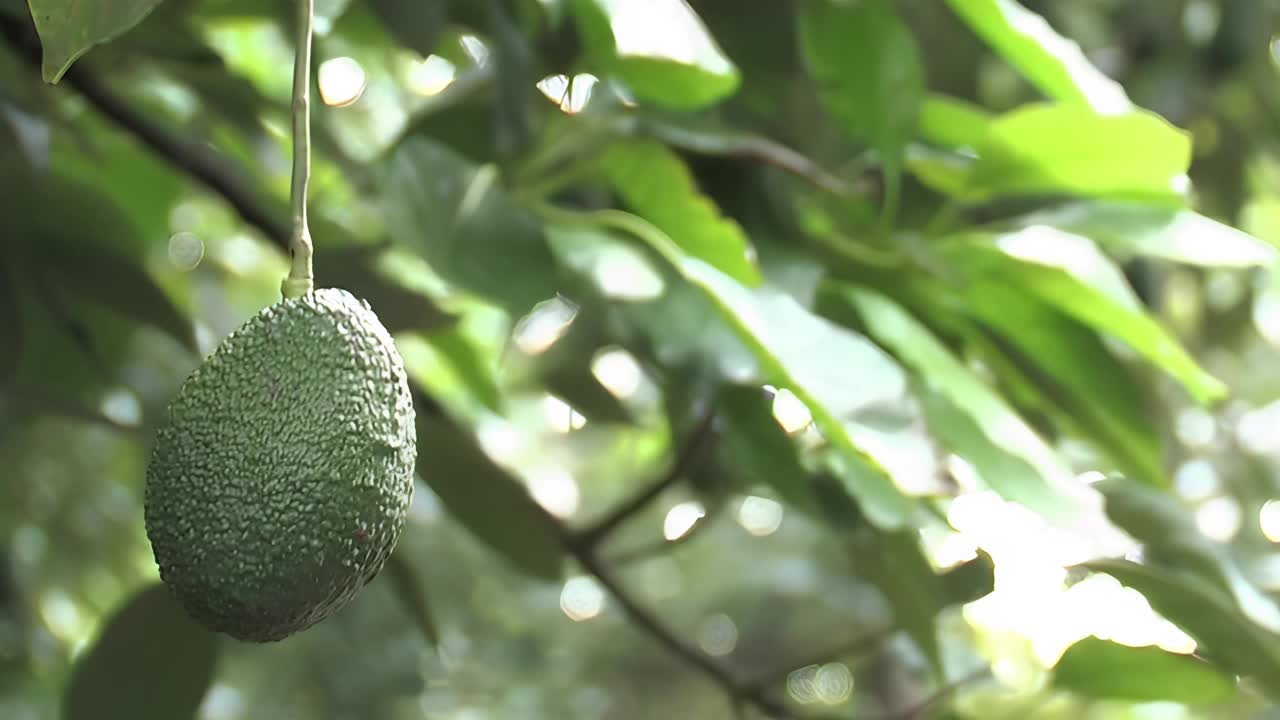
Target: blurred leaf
{"points": [[944, 171], [1171, 538], [413, 596], [470, 365], [655, 184], [151, 661], [834, 372], [486, 499], [636, 40], [68, 28], [969, 581], [868, 69], [971, 418], [754, 442], [383, 279], [1224, 637], [1069, 273], [566, 370], [1072, 373], [515, 81], [1182, 236], [466, 227], [10, 320], [896, 563], [1054, 64], [1070, 149], [1111, 671], [953, 123]]}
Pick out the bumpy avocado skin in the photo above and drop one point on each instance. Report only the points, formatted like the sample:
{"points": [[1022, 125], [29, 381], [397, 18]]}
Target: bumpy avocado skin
{"points": [[280, 481]]}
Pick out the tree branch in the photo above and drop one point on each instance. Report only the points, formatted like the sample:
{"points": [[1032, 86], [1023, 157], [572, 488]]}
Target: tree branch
{"points": [[684, 460], [197, 160]]}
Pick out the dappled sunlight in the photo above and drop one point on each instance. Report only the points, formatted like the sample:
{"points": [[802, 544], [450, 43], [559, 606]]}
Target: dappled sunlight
{"points": [[571, 93], [718, 635], [431, 76], [341, 81], [540, 329], [790, 411], [760, 516], [554, 489], [582, 598], [681, 518], [618, 371], [828, 684]]}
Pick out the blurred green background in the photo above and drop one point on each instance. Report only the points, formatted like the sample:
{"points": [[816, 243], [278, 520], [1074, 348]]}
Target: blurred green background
{"points": [[774, 359]]}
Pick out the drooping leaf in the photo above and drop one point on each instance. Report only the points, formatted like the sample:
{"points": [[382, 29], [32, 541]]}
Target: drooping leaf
{"points": [[969, 581], [1069, 273], [1223, 635], [1072, 150], [1171, 538], [896, 563], [953, 123], [486, 499], [1179, 235], [151, 660], [1049, 61], [655, 184], [869, 71], [1111, 671], [462, 223], [68, 28], [1069, 371], [1007, 453], [659, 48], [408, 587]]}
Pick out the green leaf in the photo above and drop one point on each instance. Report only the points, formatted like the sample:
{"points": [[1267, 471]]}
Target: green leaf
{"points": [[1070, 371], [151, 660], [68, 28], [970, 417], [1070, 149], [470, 365], [953, 123], [1069, 273], [10, 321], [462, 223], [896, 563], [416, 24], [1051, 62], [486, 499], [1179, 235], [1111, 671], [753, 441], [408, 587], [655, 184], [383, 278], [659, 48], [833, 371], [1223, 635], [1171, 538], [869, 72]]}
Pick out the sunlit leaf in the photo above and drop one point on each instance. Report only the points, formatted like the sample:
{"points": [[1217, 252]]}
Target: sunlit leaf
{"points": [[869, 71], [151, 660], [486, 499], [1223, 635], [1072, 150], [953, 123], [655, 184], [1051, 62], [1005, 450], [1070, 372], [68, 28], [1069, 273], [467, 360], [659, 48], [1107, 670], [1179, 235], [833, 371]]}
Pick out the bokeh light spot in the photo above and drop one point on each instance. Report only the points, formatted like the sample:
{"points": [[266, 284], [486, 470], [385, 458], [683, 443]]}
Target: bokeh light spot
{"points": [[760, 516], [618, 371], [341, 81], [582, 598], [718, 635], [186, 250], [681, 519]]}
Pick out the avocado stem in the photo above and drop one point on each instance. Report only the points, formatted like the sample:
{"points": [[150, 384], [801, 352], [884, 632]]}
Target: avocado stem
{"points": [[301, 278]]}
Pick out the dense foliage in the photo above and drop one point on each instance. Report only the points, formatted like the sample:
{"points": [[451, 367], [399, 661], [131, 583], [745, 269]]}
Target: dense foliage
{"points": [[794, 359]]}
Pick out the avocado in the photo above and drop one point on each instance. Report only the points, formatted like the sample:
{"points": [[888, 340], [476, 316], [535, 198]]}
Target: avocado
{"points": [[281, 477]]}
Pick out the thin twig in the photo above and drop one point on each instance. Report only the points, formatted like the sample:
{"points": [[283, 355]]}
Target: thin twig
{"points": [[858, 645], [661, 547], [681, 465], [738, 692]]}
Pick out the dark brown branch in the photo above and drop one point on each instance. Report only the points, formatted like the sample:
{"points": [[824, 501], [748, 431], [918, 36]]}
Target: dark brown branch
{"points": [[197, 160], [681, 465]]}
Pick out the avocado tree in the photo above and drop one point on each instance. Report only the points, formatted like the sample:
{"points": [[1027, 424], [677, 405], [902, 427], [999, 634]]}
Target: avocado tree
{"points": [[890, 359]]}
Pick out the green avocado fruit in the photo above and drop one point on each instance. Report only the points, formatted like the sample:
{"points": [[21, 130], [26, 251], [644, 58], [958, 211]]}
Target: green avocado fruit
{"points": [[282, 475]]}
